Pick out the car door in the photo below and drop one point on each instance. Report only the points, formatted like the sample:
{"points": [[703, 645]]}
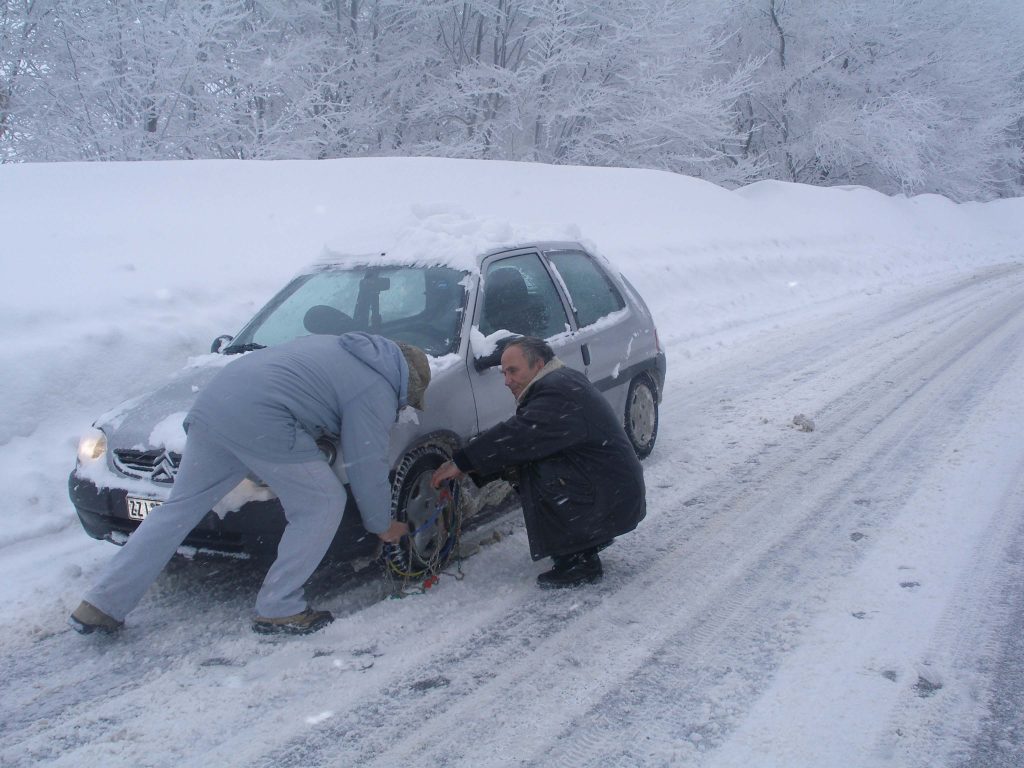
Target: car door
{"points": [[604, 330], [517, 294]]}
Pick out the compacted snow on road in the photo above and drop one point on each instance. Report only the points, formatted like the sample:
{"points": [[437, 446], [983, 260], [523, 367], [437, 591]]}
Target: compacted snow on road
{"points": [[829, 573]]}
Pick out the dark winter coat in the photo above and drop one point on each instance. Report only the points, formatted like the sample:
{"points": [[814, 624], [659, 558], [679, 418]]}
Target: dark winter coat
{"points": [[579, 479]]}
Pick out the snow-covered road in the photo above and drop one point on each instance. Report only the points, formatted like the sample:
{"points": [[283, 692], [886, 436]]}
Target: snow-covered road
{"points": [[844, 596]]}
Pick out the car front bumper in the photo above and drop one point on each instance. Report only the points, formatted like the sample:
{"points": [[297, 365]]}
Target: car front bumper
{"points": [[253, 530]]}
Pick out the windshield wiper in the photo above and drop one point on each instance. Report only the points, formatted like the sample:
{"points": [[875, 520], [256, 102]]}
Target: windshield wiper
{"points": [[237, 349]]}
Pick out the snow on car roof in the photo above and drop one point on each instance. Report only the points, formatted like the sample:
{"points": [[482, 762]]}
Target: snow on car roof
{"points": [[440, 236]]}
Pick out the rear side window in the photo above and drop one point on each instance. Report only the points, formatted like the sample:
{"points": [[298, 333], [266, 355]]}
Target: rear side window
{"points": [[593, 294]]}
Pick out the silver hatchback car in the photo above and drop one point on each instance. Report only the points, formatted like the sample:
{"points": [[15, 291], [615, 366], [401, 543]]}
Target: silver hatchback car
{"points": [[591, 315]]}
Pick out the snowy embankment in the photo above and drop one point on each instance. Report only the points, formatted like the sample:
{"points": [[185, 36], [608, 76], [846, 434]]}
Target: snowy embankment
{"points": [[114, 274]]}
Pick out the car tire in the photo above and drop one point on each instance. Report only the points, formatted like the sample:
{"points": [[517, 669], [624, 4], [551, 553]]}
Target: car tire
{"points": [[415, 502], [641, 418]]}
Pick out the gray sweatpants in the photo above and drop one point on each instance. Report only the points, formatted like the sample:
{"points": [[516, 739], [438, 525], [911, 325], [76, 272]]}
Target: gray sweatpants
{"points": [[311, 494]]}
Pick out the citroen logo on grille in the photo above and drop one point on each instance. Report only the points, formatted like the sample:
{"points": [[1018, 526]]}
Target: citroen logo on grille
{"points": [[164, 470]]}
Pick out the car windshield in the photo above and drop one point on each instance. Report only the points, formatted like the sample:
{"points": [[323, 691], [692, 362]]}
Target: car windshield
{"points": [[423, 306]]}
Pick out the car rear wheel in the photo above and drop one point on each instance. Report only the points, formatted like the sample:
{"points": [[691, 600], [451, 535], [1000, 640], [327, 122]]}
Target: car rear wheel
{"points": [[434, 515], [641, 420]]}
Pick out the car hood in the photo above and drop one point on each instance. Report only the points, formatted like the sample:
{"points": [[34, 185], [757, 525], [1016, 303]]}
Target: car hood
{"points": [[154, 420]]}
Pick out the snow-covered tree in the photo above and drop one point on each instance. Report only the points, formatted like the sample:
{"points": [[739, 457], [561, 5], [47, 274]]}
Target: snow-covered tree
{"points": [[910, 96], [143, 79]]}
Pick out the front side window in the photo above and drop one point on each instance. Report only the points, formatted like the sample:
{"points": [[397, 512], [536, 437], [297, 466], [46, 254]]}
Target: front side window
{"points": [[519, 296], [418, 305], [593, 294]]}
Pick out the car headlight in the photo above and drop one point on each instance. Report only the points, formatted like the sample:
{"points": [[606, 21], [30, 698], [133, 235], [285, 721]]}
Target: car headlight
{"points": [[92, 445]]}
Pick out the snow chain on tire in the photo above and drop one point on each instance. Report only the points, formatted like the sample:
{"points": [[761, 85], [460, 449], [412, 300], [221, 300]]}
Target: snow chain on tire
{"points": [[401, 560]]}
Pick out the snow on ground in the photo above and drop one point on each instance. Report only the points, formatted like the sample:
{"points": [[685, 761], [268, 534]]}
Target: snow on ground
{"points": [[838, 597]]}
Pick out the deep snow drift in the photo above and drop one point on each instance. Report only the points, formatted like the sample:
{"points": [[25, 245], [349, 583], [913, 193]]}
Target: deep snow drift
{"points": [[114, 275]]}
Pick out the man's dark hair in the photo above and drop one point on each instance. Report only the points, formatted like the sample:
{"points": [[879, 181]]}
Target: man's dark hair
{"points": [[534, 350]]}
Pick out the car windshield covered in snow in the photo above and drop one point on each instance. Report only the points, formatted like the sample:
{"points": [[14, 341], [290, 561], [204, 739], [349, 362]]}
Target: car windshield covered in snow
{"points": [[423, 306]]}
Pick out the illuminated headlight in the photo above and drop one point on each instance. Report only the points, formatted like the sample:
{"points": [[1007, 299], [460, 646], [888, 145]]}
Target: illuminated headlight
{"points": [[92, 445]]}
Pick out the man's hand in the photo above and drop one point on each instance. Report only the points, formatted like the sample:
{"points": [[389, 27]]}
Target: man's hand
{"points": [[447, 471], [396, 531]]}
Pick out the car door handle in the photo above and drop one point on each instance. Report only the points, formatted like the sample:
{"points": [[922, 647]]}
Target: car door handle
{"points": [[585, 351]]}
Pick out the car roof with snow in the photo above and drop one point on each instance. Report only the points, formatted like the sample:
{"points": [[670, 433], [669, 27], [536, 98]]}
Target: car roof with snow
{"points": [[461, 259]]}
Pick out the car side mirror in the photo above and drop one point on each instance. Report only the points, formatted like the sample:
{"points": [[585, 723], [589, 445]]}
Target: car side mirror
{"points": [[490, 360], [220, 342], [493, 358]]}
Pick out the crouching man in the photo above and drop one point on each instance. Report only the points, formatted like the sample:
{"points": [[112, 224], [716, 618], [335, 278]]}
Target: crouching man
{"points": [[567, 453], [263, 414]]}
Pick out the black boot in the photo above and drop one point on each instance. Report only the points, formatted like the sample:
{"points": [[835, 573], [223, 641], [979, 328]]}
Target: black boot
{"points": [[572, 570]]}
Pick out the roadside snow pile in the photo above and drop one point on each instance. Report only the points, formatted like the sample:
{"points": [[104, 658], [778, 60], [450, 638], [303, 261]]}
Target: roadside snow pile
{"points": [[115, 274]]}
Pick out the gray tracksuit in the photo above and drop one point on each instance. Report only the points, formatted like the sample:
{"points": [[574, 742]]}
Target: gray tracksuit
{"points": [[262, 414]]}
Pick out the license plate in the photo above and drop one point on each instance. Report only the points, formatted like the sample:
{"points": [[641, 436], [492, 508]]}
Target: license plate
{"points": [[139, 508]]}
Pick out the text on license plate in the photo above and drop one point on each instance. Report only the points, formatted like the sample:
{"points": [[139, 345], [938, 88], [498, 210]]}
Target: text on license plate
{"points": [[139, 508]]}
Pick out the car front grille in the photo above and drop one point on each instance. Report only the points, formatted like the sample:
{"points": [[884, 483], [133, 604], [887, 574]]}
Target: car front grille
{"points": [[158, 465]]}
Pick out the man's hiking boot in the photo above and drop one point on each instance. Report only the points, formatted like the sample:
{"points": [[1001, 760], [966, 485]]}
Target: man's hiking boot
{"points": [[87, 618], [572, 570], [300, 624]]}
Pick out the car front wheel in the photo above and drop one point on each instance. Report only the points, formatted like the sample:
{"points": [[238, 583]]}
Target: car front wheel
{"points": [[433, 515], [641, 420]]}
